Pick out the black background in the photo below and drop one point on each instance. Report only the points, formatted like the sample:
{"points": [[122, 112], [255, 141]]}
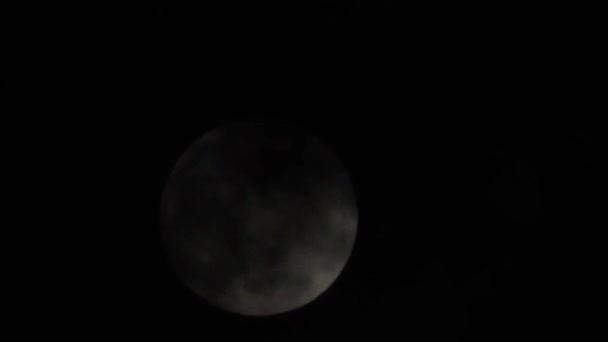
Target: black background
{"points": [[461, 126]]}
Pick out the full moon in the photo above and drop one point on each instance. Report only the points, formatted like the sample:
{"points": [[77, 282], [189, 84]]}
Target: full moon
{"points": [[258, 219]]}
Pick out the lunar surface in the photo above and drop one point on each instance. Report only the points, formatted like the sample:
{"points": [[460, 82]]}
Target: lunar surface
{"points": [[258, 219]]}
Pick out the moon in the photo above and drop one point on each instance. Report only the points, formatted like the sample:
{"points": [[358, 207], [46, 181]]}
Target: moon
{"points": [[257, 218]]}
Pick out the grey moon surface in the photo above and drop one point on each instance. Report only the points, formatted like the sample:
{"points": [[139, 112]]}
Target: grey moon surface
{"points": [[258, 219]]}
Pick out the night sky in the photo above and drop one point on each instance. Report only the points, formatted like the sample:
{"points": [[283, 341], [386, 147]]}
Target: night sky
{"points": [[473, 210]]}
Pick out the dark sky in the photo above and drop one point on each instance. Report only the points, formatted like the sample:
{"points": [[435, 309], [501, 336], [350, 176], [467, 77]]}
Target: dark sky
{"points": [[471, 206]]}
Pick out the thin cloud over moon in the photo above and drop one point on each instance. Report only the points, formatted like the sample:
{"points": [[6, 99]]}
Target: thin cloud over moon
{"points": [[259, 220]]}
